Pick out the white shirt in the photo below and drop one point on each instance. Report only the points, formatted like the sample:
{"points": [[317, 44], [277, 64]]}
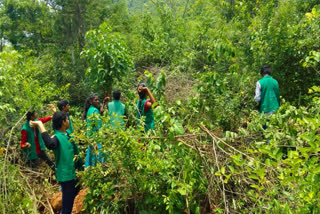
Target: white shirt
{"points": [[257, 96]]}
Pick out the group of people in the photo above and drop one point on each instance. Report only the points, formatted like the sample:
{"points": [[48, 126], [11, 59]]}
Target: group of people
{"points": [[35, 138]]}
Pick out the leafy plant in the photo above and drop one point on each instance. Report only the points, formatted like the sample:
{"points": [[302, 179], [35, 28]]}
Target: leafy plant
{"points": [[107, 56]]}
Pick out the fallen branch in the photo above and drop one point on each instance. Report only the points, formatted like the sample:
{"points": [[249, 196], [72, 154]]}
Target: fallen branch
{"points": [[196, 149], [50, 207], [31, 190], [222, 141], [6, 155], [223, 187], [176, 137]]}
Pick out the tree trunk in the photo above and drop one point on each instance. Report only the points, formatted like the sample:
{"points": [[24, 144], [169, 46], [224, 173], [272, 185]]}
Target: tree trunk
{"points": [[185, 9]]}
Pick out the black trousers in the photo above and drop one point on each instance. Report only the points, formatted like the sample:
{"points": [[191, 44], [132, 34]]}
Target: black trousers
{"points": [[44, 156], [69, 191]]}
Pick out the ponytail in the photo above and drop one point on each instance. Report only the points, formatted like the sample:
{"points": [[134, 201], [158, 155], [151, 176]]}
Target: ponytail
{"points": [[140, 107]]}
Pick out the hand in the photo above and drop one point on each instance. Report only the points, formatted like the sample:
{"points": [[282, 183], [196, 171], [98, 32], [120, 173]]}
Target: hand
{"points": [[106, 99], [34, 124], [52, 107], [141, 88], [26, 146]]}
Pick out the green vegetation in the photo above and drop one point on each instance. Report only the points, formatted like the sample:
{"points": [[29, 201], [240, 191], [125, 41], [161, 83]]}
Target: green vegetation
{"points": [[201, 60]]}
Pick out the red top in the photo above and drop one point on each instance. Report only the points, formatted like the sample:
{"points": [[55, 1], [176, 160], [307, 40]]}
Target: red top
{"points": [[146, 106], [24, 135]]}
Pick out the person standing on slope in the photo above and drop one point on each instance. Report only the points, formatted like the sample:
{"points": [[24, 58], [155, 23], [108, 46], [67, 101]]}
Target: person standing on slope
{"points": [[92, 116], [144, 107], [63, 105], [66, 153], [117, 111], [267, 92], [31, 141]]}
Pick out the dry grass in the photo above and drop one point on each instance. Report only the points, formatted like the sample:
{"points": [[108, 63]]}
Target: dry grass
{"points": [[180, 86]]}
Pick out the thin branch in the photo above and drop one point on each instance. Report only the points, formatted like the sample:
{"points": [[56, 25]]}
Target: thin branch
{"points": [[217, 164], [223, 187], [176, 137], [50, 207], [222, 141], [6, 155], [185, 9]]}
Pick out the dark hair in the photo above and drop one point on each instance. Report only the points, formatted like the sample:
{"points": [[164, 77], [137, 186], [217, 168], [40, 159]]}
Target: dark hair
{"points": [[30, 114], [62, 103], [87, 105], [265, 70], [116, 94], [58, 118], [142, 95]]}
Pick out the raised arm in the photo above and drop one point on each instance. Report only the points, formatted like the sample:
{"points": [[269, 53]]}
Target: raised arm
{"points": [[151, 100], [51, 143], [105, 102]]}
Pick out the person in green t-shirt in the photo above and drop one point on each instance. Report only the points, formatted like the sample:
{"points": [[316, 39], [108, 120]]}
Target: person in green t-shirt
{"points": [[66, 153], [144, 106], [117, 111], [91, 110], [63, 105], [267, 92]]}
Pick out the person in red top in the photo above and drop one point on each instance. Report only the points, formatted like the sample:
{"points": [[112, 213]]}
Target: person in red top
{"points": [[32, 143]]}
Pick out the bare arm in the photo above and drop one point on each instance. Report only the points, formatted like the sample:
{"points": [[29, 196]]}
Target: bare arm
{"points": [[152, 100], [51, 143], [38, 124], [105, 102]]}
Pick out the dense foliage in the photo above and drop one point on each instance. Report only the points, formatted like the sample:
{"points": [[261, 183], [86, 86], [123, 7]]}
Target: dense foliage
{"points": [[208, 152]]}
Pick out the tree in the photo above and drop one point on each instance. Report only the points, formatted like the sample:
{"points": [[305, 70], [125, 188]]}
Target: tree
{"points": [[108, 57]]}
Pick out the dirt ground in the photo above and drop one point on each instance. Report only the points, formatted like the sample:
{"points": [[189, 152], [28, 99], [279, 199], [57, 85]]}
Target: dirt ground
{"points": [[179, 85], [56, 202]]}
